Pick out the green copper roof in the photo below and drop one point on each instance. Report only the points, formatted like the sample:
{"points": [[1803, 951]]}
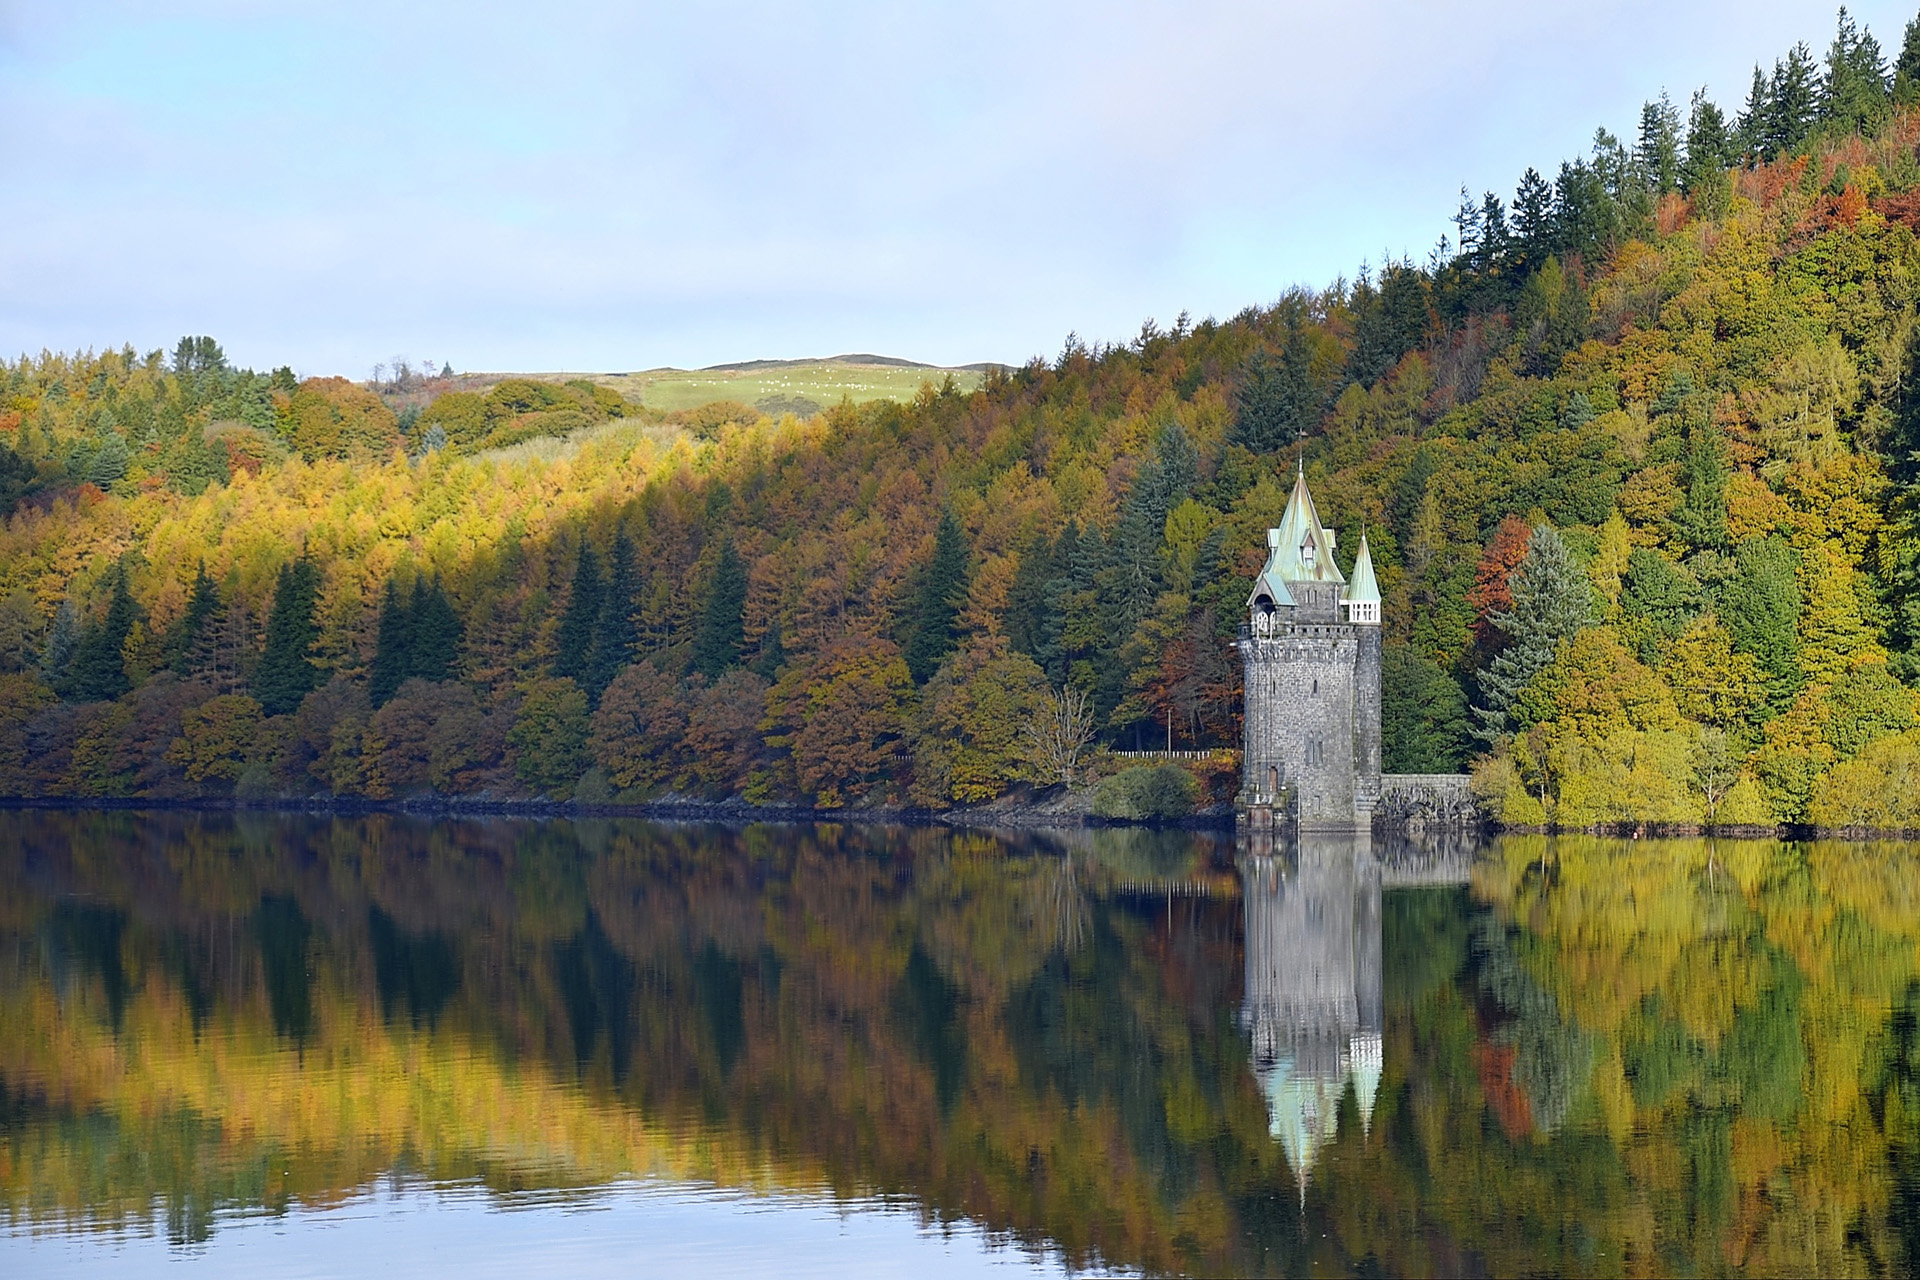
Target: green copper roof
{"points": [[1303, 551], [1270, 583], [1363, 588]]}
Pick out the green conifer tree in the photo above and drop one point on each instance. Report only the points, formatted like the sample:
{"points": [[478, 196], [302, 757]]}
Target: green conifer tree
{"points": [[773, 654], [62, 638], [1656, 159], [573, 642], [1277, 397], [1752, 129], [716, 646], [1795, 101], [1760, 608], [1424, 725], [937, 597], [613, 630], [99, 673], [1703, 516], [1853, 95], [1551, 603], [393, 649], [287, 672], [184, 637], [433, 634], [1906, 68]]}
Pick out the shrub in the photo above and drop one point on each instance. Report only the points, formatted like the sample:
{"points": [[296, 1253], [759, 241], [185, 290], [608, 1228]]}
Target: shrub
{"points": [[1146, 792]]}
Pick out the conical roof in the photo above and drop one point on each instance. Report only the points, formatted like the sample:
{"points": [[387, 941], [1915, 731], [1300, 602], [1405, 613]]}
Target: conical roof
{"points": [[1302, 551], [1364, 589]]}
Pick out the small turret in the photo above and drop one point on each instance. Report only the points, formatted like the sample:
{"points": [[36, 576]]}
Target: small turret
{"points": [[1270, 594], [1363, 593]]}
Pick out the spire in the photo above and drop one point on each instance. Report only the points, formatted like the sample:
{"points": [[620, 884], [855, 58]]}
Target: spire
{"points": [[1304, 551], [1363, 593]]}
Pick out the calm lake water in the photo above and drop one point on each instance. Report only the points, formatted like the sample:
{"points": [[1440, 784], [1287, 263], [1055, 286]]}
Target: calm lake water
{"points": [[309, 1046]]}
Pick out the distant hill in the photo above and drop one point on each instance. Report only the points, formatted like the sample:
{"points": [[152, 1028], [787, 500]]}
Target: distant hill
{"points": [[801, 387]]}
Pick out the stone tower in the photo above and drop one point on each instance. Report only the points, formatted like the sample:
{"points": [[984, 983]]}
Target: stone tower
{"points": [[1311, 647]]}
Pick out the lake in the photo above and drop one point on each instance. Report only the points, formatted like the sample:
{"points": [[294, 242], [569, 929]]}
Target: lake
{"points": [[297, 1045]]}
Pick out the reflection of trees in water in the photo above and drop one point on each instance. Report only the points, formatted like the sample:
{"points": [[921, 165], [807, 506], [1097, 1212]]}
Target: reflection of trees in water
{"points": [[1537, 1061], [1702, 1053]]}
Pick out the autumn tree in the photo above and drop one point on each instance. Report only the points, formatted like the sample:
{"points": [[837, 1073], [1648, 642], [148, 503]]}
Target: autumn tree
{"points": [[1491, 593], [549, 735], [966, 739], [842, 719]]}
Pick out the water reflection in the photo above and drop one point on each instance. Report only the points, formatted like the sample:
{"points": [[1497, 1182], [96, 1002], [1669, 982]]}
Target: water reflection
{"points": [[1312, 1003], [1131, 1048]]}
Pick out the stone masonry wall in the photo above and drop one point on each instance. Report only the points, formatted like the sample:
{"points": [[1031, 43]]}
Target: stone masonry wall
{"points": [[1300, 705]]}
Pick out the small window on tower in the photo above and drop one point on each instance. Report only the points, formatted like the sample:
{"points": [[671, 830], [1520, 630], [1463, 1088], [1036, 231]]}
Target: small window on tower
{"points": [[1306, 551]]}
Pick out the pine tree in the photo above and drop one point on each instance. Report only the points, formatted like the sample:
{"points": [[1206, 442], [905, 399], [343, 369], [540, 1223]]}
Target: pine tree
{"points": [[1027, 599], [1495, 241], [1795, 99], [433, 634], [287, 673], [1752, 129], [1854, 94], [1906, 68], [1551, 603], [613, 630], [99, 673], [1277, 398], [1533, 220], [1760, 607], [62, 638], [393, 651], [936, 601], [1055, 594], [184, 638], [773, 654], [1703, 517], [717, 645], [1657, 157], [573, 642], [1710, 151]]}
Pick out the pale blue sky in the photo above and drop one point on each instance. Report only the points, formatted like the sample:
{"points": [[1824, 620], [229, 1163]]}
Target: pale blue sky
{"points": [[584, 185]]}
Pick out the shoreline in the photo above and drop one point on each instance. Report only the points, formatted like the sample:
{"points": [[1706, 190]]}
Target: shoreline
{"points": [[735, 811], [731, 811]]}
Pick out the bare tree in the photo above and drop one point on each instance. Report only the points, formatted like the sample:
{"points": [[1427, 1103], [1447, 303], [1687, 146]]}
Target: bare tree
{"points": [[1716, 768], [1058, 734]]}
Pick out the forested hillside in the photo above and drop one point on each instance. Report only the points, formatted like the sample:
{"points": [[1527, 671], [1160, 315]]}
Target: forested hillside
{"points": [[1637, 452]]}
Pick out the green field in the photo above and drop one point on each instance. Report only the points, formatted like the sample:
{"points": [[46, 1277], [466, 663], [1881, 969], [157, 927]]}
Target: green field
{"points": [[781, 386]]}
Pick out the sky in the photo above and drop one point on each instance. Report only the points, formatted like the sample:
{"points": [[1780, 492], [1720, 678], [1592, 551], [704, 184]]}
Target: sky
{"points": [[583, 185]]}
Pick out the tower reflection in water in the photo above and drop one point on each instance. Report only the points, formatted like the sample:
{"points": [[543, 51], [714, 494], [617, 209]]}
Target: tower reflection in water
{"points": [[1313, 984]]}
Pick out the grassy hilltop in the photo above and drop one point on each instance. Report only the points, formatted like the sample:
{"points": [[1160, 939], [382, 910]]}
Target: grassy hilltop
{"points": [[1637, 452]]}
